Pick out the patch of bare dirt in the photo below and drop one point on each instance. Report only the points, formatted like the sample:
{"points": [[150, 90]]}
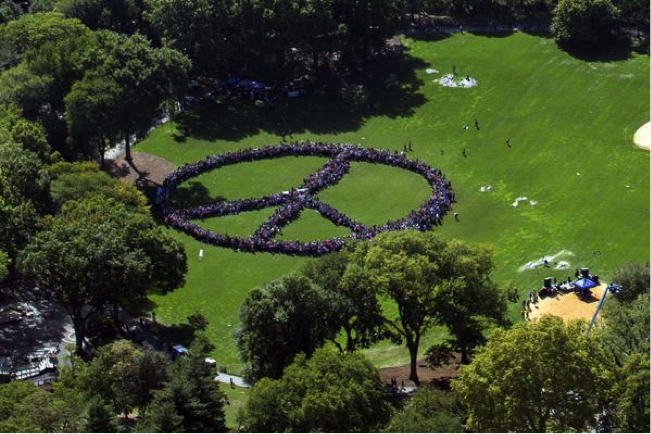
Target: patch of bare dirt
{"points": [[150, 170], [439, 376]]}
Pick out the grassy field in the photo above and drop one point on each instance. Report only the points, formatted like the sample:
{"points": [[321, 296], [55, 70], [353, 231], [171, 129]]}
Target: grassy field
{"points": [[571, 124]]}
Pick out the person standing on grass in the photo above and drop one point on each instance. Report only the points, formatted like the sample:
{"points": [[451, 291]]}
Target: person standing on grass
{"points": [[508, 142], [464, 153], [476, 124]]}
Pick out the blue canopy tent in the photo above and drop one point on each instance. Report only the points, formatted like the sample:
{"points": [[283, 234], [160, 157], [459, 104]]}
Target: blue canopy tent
{"points": [[234, 82], [584, 284]]}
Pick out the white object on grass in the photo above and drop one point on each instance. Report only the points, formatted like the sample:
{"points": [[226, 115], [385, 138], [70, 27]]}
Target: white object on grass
{"points": [[486, 188], [517, 201], [201, 254], [431, 71]]}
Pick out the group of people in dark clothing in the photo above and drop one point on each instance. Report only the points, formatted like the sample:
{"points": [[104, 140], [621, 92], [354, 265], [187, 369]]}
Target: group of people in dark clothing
{"points": [[292, 203]]}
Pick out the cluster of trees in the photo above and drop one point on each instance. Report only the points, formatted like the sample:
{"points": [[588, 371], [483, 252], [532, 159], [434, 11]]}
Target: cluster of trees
{"points": [[549, 376], [102, 395], [339, 299], [265, 39], [534, 377], [86, 88], [66, 92], [93, 72], [84, 237]]}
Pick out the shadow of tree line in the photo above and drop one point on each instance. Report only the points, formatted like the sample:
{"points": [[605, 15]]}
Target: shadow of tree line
{"points": [[389, 88]]}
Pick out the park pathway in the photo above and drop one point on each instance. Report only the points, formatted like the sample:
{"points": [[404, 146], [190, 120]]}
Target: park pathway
{"points": [[237, 381]]}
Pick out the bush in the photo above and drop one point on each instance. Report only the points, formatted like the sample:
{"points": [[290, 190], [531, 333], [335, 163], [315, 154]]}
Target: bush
{"points": [[331, 392], [584, 23], [430, 410], [634, 280]]}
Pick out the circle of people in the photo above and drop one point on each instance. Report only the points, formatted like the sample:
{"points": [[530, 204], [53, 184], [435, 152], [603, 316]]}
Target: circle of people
{"points": [[292, 203]]}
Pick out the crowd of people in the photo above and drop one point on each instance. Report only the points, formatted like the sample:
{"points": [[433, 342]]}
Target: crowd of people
{"points": [[293, 202]]}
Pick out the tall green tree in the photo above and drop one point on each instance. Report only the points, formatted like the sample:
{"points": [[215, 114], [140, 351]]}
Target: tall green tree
{"points": [[53, 52], [199, 29], [632, 402], [99, 417], [429, 410], [122, 375], [356, 308], [140, 78], [26, 408], [634, 278], [627, 327], [83, 180], [97, 253], [85, 263], [585, 24], [32, 31], [9, 11], [123, 16], [23, 193], [431, 281], [538, 377], [280, 320], [330, 392], [191, 401], [92, 113]]}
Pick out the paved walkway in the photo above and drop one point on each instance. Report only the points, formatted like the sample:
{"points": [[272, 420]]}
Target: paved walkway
{"points": [[238, 381]]}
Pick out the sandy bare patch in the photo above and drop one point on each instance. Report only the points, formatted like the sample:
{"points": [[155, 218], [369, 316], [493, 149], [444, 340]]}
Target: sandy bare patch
{"points": [[569, 306], [642, 136]]}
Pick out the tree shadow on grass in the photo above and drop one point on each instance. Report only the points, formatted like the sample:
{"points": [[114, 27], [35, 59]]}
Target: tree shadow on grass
{"points": [[175, 334], [331, 111], [430, 37], [192, 194], [622, 49], [497, 34]]}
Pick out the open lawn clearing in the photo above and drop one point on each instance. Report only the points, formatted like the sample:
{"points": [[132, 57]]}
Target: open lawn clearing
{"points": [[570, 123]]}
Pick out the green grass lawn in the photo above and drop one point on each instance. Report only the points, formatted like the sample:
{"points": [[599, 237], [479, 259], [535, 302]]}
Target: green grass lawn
{"points": [[236, 397], [571, 123]]}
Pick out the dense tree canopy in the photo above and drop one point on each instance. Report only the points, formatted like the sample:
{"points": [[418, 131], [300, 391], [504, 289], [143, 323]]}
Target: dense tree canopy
{"points": [[545, 376], [26, 408], [584, 23], [634, 278], [190, 401], [280, 320], [4, 266], [429, 410], [632, 403], [138, 78], [23, 188], [627, 327], [97, 253], [77, 181], [330, 392], [123, 16], [120, 375], [357, 308]]}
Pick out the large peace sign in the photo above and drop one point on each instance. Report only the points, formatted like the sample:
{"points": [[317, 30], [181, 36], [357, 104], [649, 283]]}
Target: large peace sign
{"points": [[291, 203]]}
